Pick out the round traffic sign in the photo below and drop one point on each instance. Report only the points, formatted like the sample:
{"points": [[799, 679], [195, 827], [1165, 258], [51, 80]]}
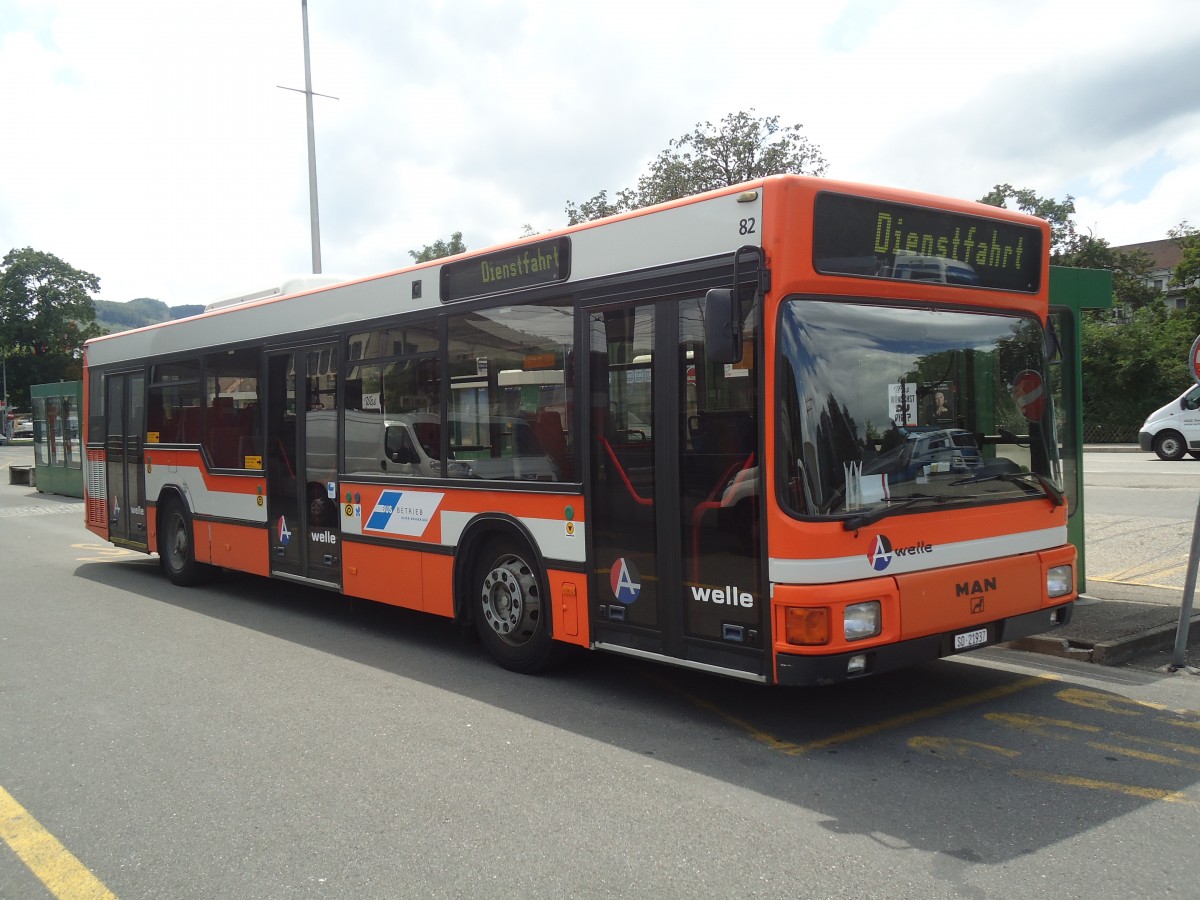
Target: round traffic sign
{"points": [[1194, 359], [1029, 390]]}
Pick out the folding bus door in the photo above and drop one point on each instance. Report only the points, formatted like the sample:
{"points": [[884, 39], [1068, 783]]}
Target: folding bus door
{"points": [[674, 491], [124, 406], [301, 460]]}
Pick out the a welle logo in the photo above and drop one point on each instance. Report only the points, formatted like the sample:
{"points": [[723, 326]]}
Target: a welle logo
{"points": [[881, 555], [730, 595]]}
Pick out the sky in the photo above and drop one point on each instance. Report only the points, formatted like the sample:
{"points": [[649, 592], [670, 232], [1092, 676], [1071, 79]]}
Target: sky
{"points": [[162, 145]]}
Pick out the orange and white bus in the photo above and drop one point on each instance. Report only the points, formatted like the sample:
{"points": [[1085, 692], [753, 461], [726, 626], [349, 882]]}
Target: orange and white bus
{"points": [[794, 431]]}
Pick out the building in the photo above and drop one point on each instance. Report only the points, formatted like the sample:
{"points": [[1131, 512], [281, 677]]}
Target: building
{"points": [[1165, 255]]}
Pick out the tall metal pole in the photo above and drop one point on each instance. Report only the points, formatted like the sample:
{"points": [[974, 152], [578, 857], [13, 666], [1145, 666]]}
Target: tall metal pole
{"points": [[312, 151]]}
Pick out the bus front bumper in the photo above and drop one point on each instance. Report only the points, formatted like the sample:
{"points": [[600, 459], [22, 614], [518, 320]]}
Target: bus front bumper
{"points": [[796, 670]]}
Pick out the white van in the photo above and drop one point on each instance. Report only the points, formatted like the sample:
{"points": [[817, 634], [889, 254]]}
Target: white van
{"points": [[1174, 429]]}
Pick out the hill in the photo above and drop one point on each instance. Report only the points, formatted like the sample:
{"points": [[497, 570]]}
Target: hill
{"points": [[112, 316]]}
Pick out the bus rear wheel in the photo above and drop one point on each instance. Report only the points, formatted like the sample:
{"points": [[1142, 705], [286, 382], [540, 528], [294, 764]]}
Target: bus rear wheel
{"points": [[511, 608], [175, 549]]}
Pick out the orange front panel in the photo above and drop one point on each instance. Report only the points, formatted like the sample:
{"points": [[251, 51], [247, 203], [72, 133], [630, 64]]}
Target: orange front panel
{"points": [[972, 595], [386, 574], [240, 547]]}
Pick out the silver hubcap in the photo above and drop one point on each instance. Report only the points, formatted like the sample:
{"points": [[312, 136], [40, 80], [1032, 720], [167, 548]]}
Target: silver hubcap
{"points": [[179, 542], [511, 601]]}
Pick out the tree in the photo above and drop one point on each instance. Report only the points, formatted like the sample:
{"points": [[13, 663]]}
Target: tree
{"points": [[46, 313], [740, 148], [440, 248], [1187, 271], [1060, 214]]}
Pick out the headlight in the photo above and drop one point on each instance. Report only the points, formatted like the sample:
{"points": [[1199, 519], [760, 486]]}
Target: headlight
{"points": [[1060, 580], [862, 620]]}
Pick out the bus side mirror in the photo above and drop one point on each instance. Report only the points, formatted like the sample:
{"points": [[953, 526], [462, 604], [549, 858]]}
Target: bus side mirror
{"points": [[722, 326]]}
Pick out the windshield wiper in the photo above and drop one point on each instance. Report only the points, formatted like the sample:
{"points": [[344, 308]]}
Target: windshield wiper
{"points": [[892, 505], [1022, 478]]}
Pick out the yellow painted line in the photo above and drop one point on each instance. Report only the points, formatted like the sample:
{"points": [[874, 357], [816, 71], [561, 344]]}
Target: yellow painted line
{"points": [[1129, 790], [106, 553], [1144, 755], [1153, 742], [958, 746], [1039, 724], [54, 865], [757, 733], [919, 715], [1115, 579], [1147, 570], [1110, 703]]}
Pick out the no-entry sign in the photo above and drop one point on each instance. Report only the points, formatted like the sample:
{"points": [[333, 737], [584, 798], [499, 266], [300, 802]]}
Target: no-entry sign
{"points": [[1030, 393]]}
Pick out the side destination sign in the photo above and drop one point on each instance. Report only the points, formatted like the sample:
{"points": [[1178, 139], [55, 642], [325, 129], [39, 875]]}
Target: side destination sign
{"points": [[528, 265], [881, 239]]}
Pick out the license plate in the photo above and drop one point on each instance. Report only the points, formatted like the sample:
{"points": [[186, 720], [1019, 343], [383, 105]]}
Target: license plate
{"points": [[969, 639]]}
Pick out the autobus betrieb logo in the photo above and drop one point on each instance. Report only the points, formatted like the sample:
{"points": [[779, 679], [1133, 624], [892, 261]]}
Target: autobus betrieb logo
{"points": [[880, 556]]}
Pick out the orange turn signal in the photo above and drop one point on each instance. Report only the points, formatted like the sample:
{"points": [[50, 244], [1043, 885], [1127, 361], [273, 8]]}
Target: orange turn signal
{"points": [[807, 626]]}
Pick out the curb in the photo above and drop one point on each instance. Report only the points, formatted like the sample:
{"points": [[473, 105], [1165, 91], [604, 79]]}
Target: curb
{"points": [[1109, 653]]}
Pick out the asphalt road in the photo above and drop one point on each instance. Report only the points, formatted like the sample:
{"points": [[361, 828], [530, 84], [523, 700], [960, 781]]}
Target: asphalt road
{"points": [[257, 739], [1139, 515]]}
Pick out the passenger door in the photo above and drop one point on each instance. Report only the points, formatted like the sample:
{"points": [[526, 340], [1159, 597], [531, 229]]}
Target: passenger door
{"points": [[124, 405], [674, 490], [302, 464]]}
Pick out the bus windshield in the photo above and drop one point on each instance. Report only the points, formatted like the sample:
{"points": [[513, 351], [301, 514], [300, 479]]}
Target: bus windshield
{"points": [[883, 409]]}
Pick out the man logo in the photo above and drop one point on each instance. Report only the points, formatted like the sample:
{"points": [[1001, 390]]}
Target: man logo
{"points": [[625, 581], [880, 557]]}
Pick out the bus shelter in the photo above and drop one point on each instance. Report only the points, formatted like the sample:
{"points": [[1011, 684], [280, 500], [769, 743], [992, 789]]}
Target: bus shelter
{"points": [[1071, 292], [57, 454]]}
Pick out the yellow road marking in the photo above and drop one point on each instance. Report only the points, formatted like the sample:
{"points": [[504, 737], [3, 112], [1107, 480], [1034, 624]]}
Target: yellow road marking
{"points": [[106, 553], [54, 865], [792, 749], [1115, 579], [1144, 755], [1039, 724], [1129, 790], [919, 715], [958, 746], [1106, 702], [1166, 745]]}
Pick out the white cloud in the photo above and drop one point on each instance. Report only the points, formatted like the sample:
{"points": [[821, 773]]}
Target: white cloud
{"points": [[148, 142]]}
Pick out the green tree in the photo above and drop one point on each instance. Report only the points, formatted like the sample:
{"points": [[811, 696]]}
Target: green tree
{"points": [[440, 248], [1187, 272], [1059, 213], [46, 313], [739, 148]]}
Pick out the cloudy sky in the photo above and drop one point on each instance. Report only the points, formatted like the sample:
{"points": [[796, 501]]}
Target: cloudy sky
{"points": [[149, 142]]}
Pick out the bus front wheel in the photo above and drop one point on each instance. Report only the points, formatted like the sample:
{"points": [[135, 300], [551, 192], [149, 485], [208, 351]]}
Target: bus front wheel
{"points": [[175, 549], [511, 610]]}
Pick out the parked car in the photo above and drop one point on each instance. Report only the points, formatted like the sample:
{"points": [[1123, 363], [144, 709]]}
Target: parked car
{"points": [[23, 428], [1174, 429]]}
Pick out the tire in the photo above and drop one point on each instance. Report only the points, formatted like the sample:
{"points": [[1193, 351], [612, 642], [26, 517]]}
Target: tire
{"points": [[175, 550], [511, 608], [1170, 445]]}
